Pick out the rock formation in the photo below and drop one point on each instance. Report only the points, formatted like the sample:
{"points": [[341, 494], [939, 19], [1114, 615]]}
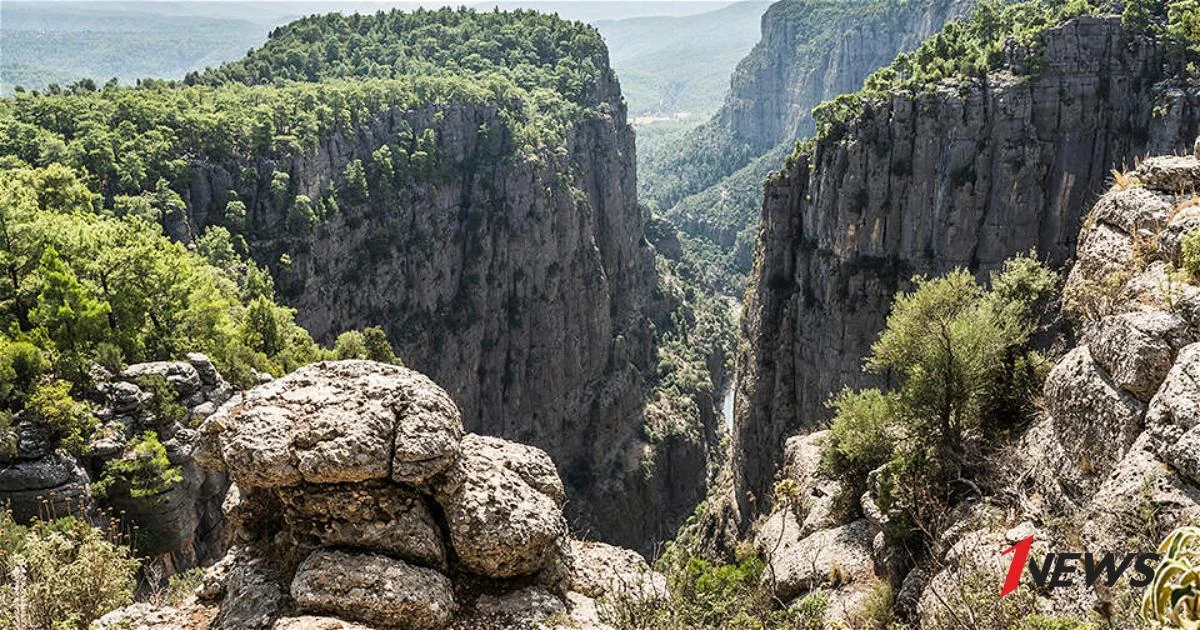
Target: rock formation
{"points": [[963, 174], [181, 525], [521, 282], [1111, 463], [358, 499], [809, 53]]}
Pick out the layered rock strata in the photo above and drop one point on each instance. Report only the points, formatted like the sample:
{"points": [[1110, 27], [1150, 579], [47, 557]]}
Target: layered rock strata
{"points": [[180, 525]]}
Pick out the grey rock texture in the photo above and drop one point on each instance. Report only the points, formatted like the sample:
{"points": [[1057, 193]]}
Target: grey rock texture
{"points": [[833, 558], [501, 521], [374, 589], [961, 175], [776, 87], [338, 422], [808, 53], [1116, 440], [472, 535]]}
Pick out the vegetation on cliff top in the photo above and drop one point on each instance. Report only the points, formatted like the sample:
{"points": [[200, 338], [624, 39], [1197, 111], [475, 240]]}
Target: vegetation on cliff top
{"points": [[91, 181], [994, 36]]}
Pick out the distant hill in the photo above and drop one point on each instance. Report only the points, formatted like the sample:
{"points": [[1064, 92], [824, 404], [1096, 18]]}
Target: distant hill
{"points": [[674, 64], [671, 56]]}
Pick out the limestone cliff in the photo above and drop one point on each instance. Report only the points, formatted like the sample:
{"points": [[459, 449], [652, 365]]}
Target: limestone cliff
{"points": [[1109, 463], [520, 279], [710, 183], [964, 173], [177, 526]]}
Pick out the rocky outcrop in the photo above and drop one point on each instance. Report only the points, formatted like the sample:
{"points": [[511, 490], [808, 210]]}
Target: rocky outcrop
{"points": [[518, 278], [180, 526], [358, 499], [965, 173], [1109, 463]]}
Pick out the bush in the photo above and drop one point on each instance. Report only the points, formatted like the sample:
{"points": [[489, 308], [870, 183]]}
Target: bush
{"points": [[61, 574], [875, 611], [143, 468], [704, 594], [163, 404], [960, 358], [72, 421], [1190, 247], [862, 439]]}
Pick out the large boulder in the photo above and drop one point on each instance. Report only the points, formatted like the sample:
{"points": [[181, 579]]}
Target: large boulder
{"points": [[358, 500], [374, 589], [829, 557], [336, 422], [502, 503], [1173, 417], [54, 485], [1094, 421], [600, 570], [181, 374], [1138, 348]]}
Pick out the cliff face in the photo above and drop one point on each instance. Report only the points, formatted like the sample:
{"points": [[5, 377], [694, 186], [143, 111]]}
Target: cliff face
{"points": [[1109, 462], [520, 281], [963, 175], [810, 52], [790, 71]]}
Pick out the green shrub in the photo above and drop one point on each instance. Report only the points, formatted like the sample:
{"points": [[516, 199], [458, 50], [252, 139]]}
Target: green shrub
{"points": [[709, 595], [72, 421], [1190, 248], [378, 347], [862, 438], [163, 404], [958, 354], [21, 363], [61, 574], [875, 612], [8, 436], [143, 468]]}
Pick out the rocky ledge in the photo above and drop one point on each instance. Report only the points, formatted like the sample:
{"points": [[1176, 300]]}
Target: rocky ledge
{"points": [[358, 501]]}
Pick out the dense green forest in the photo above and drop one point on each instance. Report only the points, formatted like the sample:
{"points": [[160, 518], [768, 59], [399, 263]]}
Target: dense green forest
{"points": [[91, 176]]}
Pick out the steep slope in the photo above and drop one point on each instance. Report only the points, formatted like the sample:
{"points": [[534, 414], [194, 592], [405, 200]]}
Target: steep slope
{"points": [[918, 177], [475, 197], [810, 51]]}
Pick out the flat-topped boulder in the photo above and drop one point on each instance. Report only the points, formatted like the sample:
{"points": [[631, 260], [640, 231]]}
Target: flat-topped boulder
{"points": [[338, 422], [374, 589]]}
